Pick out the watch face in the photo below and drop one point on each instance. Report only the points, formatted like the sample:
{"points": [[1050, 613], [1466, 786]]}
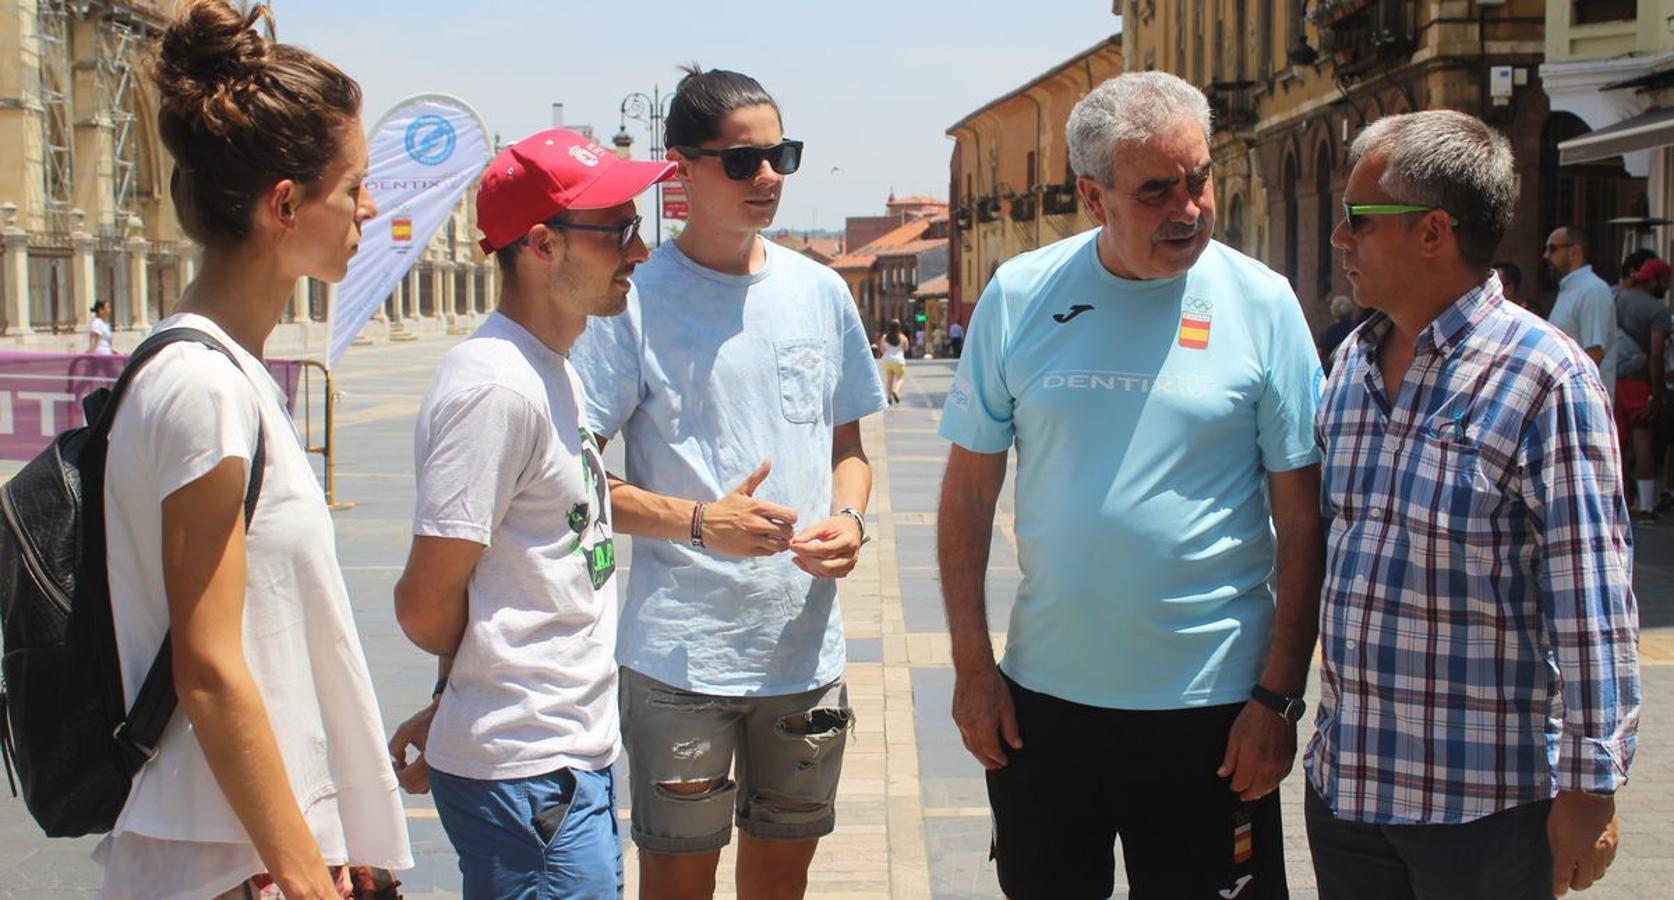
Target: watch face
{"points": [[1295, 709]]}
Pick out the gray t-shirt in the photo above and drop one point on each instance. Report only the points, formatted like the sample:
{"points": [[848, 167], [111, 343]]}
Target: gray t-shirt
{"points": [[503, 459], [705, 376], [1639, 315]]}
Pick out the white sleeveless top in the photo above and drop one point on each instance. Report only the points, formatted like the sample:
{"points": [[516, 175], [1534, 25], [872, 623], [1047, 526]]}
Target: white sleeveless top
{"points": [[894, 352], [186, 412]]}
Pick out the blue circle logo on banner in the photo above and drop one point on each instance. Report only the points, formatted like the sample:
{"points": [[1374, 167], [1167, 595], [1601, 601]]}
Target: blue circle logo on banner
{"points": [[430, 140]]}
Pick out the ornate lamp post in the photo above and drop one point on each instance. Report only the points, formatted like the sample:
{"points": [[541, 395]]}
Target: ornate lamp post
{"points": [[651, 111]]}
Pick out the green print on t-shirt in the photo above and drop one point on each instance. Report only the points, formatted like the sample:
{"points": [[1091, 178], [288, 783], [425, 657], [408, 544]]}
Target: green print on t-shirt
{"points": [[600, 555]]}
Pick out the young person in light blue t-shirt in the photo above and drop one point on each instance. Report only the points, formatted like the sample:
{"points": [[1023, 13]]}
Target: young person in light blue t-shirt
{"points": [[737, 377], [1160, 389]]}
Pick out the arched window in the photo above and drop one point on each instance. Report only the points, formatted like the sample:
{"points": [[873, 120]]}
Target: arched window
{"points": [[1234, 230]]}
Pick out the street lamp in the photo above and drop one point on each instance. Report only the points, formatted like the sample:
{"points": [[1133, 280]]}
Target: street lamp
{"points": [[651, 111]]}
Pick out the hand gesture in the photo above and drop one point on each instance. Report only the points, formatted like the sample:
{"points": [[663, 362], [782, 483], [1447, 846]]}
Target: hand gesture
{"points": [[414, 777], [829, 549], [740, 525]]}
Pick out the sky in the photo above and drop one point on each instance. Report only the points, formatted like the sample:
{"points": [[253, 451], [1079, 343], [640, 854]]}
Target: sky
{"points": [[870, 86]]}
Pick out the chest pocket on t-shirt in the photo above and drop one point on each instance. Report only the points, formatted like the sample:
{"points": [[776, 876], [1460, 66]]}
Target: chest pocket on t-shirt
{"points": [[803, 378]]}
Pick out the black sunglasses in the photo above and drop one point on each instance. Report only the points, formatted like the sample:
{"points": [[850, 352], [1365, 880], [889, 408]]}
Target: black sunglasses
{"points": [[624, 232], [742, 163]]}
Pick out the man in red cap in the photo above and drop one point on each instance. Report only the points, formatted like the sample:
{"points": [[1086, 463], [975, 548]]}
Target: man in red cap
{"points": [[510, 580], [1642, 315]]}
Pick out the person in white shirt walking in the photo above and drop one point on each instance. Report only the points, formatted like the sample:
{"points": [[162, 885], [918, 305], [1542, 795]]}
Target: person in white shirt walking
{"points": [[894, 348], [98, 330]]}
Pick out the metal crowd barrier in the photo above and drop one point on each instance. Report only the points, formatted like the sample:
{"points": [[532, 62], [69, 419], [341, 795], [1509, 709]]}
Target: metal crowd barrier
{"points": [[327, 444]]}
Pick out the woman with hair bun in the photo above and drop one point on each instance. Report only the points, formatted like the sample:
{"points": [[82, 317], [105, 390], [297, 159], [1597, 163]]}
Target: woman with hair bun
{"points": [[271, 774], [98, 330]]}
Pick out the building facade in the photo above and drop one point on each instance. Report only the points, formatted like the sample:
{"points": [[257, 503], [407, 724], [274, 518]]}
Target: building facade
{"points": [[1610, 73], [85, 211], [1292, 84], [888, 257], [1010, 186]]}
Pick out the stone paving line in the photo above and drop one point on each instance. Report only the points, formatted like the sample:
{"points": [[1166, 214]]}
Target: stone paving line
{"points": [[912, 813]]}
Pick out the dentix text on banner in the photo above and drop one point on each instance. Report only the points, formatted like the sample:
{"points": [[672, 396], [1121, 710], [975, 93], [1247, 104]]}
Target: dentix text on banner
{"points": [[425, 152]]}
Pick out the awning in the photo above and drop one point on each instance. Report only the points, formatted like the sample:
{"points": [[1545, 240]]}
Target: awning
{"points": [[1646, 131]]}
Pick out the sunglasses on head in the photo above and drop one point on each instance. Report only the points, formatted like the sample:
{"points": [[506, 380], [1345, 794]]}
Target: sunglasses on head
{"points": [[624, 232], [1356, 213], [742, 163]]}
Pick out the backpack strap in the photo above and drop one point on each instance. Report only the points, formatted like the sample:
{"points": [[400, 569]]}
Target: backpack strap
{"points": [[138, 734]]}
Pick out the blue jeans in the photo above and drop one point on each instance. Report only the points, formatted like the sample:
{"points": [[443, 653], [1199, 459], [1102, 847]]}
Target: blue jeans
{"points": [[541, 838]]}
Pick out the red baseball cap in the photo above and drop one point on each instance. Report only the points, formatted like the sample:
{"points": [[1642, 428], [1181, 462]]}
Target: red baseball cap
{"points": [[548, 172], [1652, 269]]}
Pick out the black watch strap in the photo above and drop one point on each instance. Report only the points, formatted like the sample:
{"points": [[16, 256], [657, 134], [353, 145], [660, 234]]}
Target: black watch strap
{"points": [[1291, 708]]}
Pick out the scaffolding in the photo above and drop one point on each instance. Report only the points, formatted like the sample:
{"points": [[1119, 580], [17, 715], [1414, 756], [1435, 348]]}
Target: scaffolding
{"points": [[52, 24], [117, 39]]}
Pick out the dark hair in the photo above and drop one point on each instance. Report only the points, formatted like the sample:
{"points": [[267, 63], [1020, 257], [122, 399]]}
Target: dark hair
{"points": [[507, 256], [1510, 274], [703, 99], [94, 309], [240, 112], [1577, 237], [894, 329], [1632, 262]]}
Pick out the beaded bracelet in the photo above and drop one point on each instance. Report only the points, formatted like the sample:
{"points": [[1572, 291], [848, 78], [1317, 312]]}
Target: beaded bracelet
{"points": [[697, 524]]}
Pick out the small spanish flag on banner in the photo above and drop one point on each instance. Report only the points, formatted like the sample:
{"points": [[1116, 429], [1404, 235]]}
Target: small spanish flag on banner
{"points": [[401, 228], [1242, 844], [1194, 331]]}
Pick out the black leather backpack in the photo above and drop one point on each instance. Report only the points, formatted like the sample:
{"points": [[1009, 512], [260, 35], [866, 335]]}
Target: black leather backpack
{"points": [[64, 725]]}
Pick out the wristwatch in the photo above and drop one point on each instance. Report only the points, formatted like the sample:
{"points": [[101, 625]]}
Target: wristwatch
{"points": [[1290, 708]]}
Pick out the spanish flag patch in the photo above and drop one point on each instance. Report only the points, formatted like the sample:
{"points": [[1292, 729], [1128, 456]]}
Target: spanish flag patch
{"points": [[1194, 323], [1242, 844], [401, 228]]}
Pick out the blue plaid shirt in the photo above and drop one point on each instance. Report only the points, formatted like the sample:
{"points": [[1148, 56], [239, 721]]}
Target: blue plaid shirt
{"points": [[1478, 626]]}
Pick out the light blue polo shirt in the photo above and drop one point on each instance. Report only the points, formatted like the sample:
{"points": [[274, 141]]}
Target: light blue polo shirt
{"points": [[1146, 415], [705, 375]]}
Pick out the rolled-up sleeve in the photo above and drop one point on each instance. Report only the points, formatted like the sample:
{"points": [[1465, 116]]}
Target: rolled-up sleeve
{"points": [[1569, 456]]}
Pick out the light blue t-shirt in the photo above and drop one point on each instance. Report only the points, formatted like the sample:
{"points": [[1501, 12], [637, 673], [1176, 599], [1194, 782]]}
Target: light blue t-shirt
{"points": [[1145, 415], [706, 375]]}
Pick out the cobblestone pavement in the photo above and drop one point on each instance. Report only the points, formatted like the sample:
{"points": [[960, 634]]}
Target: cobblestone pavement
{"points": [[912, 814]]}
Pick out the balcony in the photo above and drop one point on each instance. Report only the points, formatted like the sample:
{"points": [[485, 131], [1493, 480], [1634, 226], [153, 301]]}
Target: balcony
{"points": [[1232, 104], [1327, 13], [1362, 36], [988, 209], [1059, 199], [1023, 208]]}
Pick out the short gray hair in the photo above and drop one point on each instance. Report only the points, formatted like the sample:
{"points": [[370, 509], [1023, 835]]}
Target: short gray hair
{"points": [[1131, 108], [1447, 159]]}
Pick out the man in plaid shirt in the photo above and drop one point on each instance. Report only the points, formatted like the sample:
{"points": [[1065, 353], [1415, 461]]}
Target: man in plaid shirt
{"points": [[1480, 692]]}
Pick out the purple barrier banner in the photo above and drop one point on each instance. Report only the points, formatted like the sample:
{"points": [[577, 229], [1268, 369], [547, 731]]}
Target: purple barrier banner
{"points": [[40, 394]]}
